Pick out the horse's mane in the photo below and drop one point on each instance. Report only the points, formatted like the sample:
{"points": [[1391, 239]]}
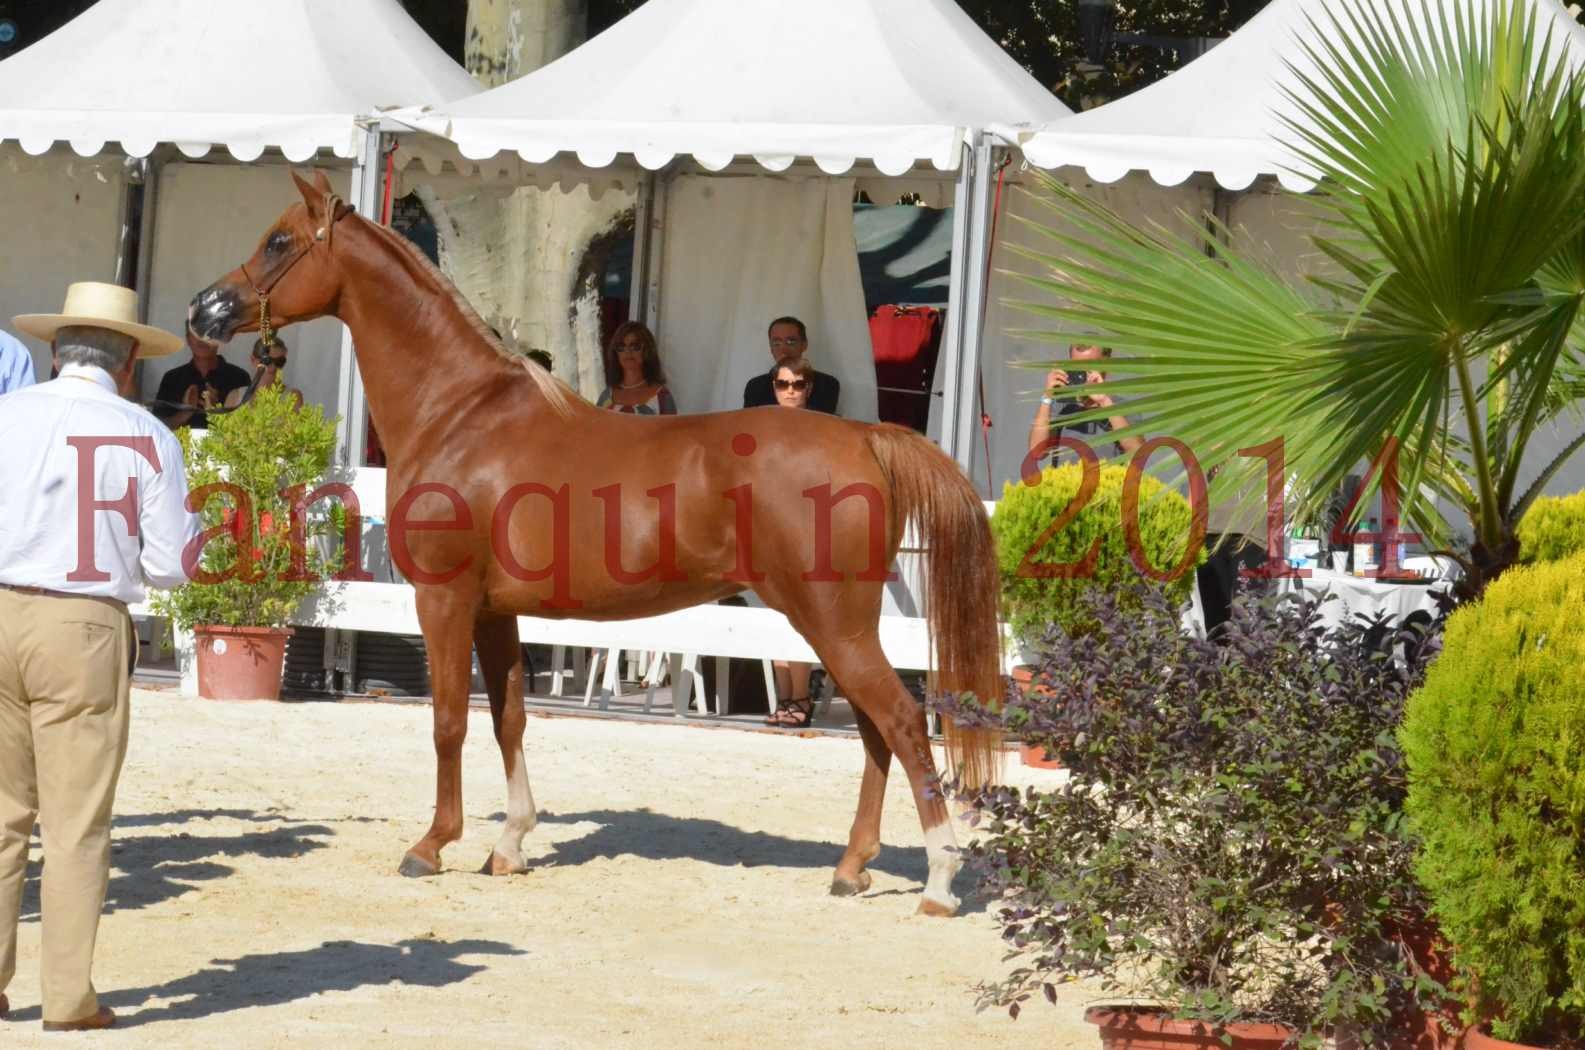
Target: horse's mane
{"points": [[558, 394]]}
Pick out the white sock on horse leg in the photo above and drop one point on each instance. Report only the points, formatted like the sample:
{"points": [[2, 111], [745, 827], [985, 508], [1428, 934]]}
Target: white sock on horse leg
{"points": [[941, 847], [520, 813]]}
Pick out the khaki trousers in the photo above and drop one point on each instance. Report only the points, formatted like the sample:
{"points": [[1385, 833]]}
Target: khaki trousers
{"points": [[65, 674]]}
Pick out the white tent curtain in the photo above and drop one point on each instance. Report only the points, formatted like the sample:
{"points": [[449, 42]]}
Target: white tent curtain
{"points": [[58, 224], [740, 252], [210, 219]]}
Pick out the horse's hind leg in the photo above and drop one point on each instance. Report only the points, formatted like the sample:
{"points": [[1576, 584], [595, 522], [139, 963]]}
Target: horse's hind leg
{"points": [[501, 660], [859, 663], [447, 622], [864, 840]]}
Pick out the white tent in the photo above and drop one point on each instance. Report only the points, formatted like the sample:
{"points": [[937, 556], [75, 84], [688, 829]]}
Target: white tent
{"points": [[1223, 113], [299, 76], [890, 81], [845, 83], [246, 74]]}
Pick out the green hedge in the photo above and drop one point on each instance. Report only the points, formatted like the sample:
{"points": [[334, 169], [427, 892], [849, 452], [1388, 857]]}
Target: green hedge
{"points": [[1552, 529], [1495, 743], [1024, 512]]}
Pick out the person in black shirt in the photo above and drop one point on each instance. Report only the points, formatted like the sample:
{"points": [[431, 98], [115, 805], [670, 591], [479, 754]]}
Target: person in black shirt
{"points": [[788, 339], [202, 383], [1067, 386]]}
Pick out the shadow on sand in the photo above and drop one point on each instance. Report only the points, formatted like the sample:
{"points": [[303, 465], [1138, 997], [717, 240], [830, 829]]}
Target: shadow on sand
{"points": [[658, 836], [148, 869], [277, 978]]}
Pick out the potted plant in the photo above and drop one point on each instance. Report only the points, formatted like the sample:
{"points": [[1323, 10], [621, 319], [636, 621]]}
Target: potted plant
{"points": [[1496, 797], [1030, 551], [252, 571], [1225, 855]]}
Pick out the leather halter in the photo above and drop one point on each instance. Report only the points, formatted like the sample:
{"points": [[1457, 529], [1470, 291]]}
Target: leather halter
{"points": [[336, 209]]}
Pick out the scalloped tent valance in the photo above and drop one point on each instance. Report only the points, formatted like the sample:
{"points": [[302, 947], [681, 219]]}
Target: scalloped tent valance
{"points": [[248, 75], [893, 82], [1223, 112]]}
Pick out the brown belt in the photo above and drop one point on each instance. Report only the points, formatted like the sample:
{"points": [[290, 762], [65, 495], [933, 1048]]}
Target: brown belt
{"points": [[47, 593]]}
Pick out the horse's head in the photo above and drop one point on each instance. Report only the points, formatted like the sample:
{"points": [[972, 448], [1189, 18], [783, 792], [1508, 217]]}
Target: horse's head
{"points": [[292, 271]]}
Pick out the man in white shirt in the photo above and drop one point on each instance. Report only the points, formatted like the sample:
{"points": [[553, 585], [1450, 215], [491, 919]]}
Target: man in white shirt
{"points": [[93, 491]]}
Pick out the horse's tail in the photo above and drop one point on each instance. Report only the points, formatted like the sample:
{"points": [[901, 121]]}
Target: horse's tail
{"points": [[962, 585]]}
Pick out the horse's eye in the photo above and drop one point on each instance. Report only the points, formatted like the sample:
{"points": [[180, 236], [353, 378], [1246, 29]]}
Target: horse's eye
{"points": [[279, 242]]}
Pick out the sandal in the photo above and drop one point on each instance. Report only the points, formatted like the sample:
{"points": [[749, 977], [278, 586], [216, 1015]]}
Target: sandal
{"points": [[794, 713], [783, 709]]}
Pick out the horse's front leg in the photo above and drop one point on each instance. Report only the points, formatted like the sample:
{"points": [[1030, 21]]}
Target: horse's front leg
{"points": [[447, 622]]}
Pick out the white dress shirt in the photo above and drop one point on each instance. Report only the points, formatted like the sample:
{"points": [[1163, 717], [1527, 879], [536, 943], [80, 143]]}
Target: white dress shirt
{"points": [[43, 514]]}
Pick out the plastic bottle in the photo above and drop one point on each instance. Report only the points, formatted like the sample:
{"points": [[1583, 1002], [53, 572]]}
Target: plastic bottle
{"points": [[1364, 556]]}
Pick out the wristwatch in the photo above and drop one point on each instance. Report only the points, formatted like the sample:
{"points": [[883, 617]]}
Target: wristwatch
{"points": [[1046, 400]]}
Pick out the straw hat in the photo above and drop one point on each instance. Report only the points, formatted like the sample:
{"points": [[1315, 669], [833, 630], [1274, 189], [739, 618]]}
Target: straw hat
{"points": [[101, 305]]}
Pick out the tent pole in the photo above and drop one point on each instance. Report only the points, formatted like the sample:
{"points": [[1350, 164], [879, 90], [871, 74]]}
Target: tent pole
{"points": [[976, 289], [971, 226], [639, 283], [654, 250], [947, 366], [135, 172], [154, 167]]}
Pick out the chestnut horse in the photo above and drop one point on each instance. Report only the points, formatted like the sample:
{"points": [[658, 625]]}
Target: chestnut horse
{"points": [[531, 501]]}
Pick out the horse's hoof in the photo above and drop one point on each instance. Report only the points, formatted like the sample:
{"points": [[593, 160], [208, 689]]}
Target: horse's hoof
{"points": [[495, 864], [841, 887], [938, 909], [415, 867]]}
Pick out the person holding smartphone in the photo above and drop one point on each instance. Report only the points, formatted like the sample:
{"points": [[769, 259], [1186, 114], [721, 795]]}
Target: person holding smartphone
{"points": [[1067, 386]]}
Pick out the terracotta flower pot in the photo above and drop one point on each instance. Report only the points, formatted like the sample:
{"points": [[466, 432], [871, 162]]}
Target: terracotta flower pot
{"points": [[1037, 757], [1475, 1039], [1415, 1027], [1145, 1028], [240, 663]]}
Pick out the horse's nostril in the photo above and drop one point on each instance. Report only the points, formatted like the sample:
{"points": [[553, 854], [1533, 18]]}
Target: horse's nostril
{"points": [[213, 312]]}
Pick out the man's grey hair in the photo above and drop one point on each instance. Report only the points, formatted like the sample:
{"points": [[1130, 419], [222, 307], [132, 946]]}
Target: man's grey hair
{"points": [[90, 345]]}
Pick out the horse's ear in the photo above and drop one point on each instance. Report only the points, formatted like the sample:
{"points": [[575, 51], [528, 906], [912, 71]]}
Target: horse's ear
{"points": [[313, 197], [321, 182]]}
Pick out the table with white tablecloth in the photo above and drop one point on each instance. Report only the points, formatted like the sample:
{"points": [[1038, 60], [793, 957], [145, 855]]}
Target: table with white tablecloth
{"points": [[1351, 596]]}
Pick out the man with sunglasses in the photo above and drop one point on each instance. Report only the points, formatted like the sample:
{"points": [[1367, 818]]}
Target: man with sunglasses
{"points": [[788, 339], [202, 383]]}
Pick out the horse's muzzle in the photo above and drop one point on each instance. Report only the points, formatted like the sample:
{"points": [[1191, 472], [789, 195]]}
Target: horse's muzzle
{"points": [[215, 313]]}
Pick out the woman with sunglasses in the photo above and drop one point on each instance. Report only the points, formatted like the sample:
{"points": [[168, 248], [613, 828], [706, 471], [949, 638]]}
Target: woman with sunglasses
{"points": [[792, 382], [272, 359], [634, 381]]}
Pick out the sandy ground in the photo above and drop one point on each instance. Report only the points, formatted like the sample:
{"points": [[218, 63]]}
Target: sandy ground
{"points": [[677, 897]]}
